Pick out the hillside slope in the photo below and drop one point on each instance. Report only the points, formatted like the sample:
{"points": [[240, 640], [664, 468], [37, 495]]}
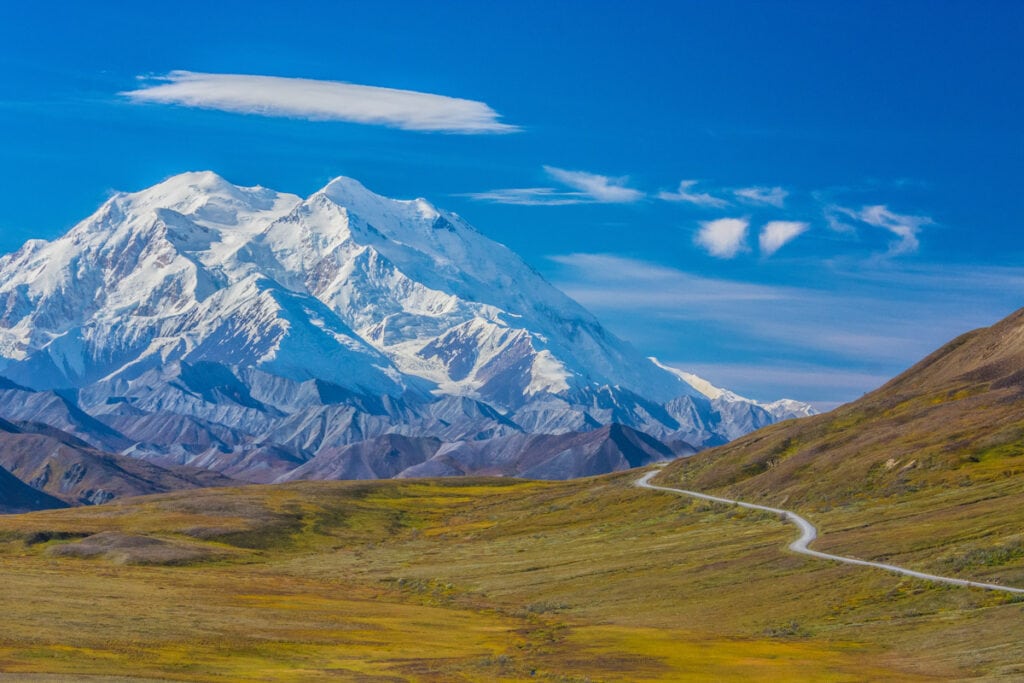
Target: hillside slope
{"points": [[55, 463], [955, 418], [928, 469]]}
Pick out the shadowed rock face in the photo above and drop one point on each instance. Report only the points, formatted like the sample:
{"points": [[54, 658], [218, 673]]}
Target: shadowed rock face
{"points": [[550, 456], [17, 496], [383, 457], [537, 456]]}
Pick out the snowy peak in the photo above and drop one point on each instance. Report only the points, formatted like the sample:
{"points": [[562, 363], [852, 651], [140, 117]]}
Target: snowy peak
{"points": [[374, 208], [400, 275], [331, 320], [703, 386], [782, 409], [210, 200]]}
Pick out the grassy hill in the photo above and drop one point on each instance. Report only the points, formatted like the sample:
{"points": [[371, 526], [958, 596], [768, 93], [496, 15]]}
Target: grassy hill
{"points": [[928, 470], [956, 419]]}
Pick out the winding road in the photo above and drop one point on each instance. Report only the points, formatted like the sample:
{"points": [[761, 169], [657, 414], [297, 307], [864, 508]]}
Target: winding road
{"points": [[808, 533]]}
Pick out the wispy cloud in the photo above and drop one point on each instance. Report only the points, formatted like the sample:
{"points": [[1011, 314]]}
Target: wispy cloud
{"points": [[626, 283], [776, 234], [315, 100], [584, 188], [600, 188], [749, 313], [724, 237], [904, 227], [772, 196], [835, 218], [529, 196], [884, 318], [683, 194]]}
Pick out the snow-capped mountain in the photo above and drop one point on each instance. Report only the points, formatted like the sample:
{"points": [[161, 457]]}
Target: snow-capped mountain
{"points": [[205, 323]]}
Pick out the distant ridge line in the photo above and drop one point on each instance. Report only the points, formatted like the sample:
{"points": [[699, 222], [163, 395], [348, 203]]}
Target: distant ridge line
{"points": [[808, 533]]}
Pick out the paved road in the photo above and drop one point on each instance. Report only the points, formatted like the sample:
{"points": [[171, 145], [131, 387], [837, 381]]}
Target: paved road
{"points": [[808, 533]]}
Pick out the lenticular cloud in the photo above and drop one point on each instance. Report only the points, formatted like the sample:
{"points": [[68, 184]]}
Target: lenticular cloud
{"points": [[305, 98]]}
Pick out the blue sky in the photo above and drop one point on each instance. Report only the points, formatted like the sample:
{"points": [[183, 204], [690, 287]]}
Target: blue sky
{"points": [[792, 198]]}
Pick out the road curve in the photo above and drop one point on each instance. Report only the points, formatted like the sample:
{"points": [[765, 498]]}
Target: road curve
{"points": [[808, 533]]}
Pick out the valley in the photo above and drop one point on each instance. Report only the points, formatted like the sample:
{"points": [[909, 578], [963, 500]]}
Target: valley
{"points": [[483, 579]]}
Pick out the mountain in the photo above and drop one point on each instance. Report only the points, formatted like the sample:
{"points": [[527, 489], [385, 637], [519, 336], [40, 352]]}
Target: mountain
{"points": [[250, 331], [533, 456], [22, 404], [68, 469], [739, 415]]}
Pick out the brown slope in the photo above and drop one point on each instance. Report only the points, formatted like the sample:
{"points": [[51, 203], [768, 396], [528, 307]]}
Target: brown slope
{"points": [[955, 419]]}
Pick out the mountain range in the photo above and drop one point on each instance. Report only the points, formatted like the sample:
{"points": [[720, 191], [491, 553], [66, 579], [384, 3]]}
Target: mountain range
{"points": [[266, 337]]}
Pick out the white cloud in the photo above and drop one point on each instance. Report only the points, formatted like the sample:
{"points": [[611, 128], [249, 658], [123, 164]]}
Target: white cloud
{"points": [[904, 227], [683, 194], [322, 101], [529, 196], [775, 234], [602, 189], [773, 196], [724, 237], [587, 188]]}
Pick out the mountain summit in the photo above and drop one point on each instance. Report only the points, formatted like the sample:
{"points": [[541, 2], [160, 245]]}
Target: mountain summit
{"points": [[243, 329]]}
